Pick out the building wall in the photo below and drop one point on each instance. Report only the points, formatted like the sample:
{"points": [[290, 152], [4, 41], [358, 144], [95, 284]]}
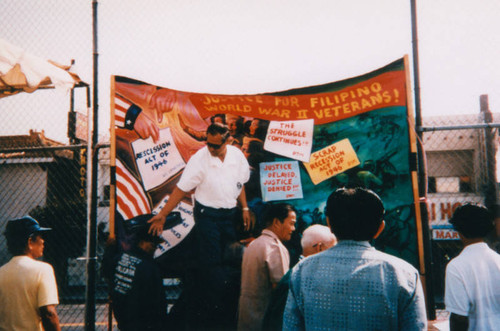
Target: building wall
{"points": [[22, 187]]}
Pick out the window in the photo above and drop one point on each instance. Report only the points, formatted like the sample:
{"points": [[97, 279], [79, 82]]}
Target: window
{"points": [[449, 184], [105, 196]]}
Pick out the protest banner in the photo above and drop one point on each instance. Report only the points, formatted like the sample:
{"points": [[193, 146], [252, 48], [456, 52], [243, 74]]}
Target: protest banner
{"points": [[355, 132]]}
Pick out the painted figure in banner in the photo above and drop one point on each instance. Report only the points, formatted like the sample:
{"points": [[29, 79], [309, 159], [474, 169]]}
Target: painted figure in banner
{"points": [[157, 109], [28, 290], [137, 293], [236, 129], [472, 293], [315, 239], [217, 173], [265, 261], [352, 286]]}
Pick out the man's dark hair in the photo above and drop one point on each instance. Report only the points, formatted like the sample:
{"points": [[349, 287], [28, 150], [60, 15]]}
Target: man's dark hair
{"points": [[217, 128], [472, 220], [277, 210], [16, 245], [354, 213]]}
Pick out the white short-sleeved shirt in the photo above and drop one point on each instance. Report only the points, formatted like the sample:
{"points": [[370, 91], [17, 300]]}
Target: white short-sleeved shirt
{"points": [[473, 286], [218, 184], [25, 286]]}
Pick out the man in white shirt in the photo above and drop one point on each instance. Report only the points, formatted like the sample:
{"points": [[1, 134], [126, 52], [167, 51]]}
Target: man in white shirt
{"points": [[217, 173], [28, 290], [472, 292]]}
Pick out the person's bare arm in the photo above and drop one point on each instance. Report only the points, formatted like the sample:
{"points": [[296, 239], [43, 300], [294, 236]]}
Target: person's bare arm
{"points": [[247, 220], [159, 220], [50, 319], [458, 322]]}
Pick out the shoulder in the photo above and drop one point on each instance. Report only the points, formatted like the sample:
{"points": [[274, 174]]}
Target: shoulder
{"points": [[395, 263], [235, 152], [264, 242], [201, 153], [42, 268]]}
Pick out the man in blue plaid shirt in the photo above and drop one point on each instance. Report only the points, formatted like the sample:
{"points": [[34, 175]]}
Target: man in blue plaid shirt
{"points": [[352, 286]]}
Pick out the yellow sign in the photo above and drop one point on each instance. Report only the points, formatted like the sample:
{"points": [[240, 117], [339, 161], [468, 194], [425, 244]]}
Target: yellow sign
{"points": [[331, 161]]}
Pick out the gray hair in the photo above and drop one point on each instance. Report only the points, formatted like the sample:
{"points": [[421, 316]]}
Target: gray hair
{"points": [[316, 234]]}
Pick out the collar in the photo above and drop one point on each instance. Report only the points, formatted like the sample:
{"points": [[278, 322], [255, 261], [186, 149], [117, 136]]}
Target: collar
{"points": [[22, 257], [215, 161], [354, 243], [270, 233], [476, 247]]}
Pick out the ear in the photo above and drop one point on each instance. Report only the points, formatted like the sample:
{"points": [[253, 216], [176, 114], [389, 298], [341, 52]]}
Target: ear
{"points": [[276, 222], [380, 229], [319, 247], [328, 222]]}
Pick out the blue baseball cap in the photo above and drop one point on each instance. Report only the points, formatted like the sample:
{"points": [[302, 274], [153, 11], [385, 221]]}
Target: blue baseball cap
{"points": [[23, 227]]}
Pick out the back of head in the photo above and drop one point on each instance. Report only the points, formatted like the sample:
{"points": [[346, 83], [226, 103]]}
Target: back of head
{"points": [[472, 221], [18, 231], [277, 210], [314, 235], [354, 213]]}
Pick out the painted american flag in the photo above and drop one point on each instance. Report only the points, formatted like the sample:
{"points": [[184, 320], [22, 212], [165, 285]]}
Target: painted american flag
{"points": [[131, 198]]}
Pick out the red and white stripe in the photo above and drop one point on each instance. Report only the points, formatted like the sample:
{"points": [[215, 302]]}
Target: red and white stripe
{"points": [[121, 107], [131, 198]]}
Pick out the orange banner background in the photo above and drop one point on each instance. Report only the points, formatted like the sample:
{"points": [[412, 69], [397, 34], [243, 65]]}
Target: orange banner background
{"points": [[384, 90]]}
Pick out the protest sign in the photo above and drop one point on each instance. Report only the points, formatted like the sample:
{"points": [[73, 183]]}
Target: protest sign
{"points": [[157, 162], [292, 139], [280, 180], [331, 160]]}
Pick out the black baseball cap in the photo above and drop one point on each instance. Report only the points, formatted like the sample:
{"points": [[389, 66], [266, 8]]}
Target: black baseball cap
{"points": [[139, 226], [23, 227]]}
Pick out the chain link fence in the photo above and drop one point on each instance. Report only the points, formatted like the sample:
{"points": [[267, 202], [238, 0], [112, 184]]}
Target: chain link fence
{"points": [[43, 166], [461, 168]]}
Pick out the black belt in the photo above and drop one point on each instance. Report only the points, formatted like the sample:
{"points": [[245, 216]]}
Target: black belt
{"points": [[198, 207]]}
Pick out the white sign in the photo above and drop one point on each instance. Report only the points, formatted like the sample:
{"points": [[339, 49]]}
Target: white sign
{"points": [[157, 162], [292, 139]]}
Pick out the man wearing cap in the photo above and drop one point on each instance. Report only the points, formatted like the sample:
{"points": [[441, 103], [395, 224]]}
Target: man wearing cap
{"points": [[137, 294], [28, 290]]}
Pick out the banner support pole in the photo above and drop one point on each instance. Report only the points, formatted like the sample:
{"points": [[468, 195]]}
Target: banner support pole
{"points": [[90, 295], [422, 176]]}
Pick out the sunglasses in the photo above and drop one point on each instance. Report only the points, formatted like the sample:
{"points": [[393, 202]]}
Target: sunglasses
{"points": [[215, 146]]}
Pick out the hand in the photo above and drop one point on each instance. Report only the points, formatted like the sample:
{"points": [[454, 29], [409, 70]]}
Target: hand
{"points": [[248, 220], [157, 223], [146, 128], [163, 100]]}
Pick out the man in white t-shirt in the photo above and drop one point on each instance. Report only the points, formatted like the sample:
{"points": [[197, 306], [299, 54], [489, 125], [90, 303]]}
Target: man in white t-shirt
{"points": [[472, 293], [28, 290], [217, 173]]}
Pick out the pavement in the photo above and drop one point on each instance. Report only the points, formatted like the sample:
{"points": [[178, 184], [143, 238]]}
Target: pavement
{"points": [[72, 317]]}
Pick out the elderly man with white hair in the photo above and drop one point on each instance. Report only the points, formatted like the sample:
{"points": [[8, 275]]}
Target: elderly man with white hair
{"points": [[315, 238]]}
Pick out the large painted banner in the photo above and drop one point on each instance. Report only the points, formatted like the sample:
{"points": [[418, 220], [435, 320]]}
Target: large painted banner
{"points": [[301, 145]]}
